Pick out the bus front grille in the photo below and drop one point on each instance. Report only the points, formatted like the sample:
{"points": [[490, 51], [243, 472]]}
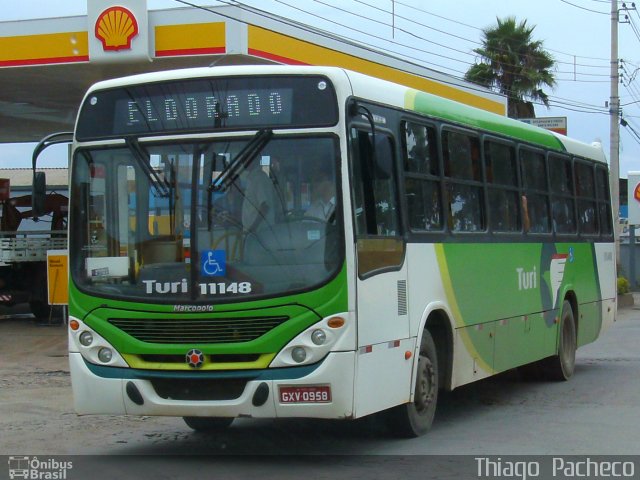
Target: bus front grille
{"points": [[197, 331], [198, 389]]}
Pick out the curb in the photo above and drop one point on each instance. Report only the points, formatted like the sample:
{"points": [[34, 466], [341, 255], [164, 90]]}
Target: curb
{"points": [[625, 300]]}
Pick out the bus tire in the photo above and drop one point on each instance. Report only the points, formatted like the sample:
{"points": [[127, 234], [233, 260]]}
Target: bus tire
{"points": [[560, 367], [415, 419], [208, 424]]}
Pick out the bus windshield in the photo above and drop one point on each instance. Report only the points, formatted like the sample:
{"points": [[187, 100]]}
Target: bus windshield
{"points": [[196, 222]]}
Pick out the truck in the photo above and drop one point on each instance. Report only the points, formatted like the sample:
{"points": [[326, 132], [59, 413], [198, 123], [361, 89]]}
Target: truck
{"points": [[24, 246]]}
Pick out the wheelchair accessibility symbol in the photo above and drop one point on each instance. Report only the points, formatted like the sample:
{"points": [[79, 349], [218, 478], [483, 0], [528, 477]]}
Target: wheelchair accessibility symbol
{"points": [[213, 263]]}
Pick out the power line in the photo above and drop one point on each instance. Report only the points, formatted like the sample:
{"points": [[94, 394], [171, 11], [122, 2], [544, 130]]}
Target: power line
{"points": [[398, 2], [559, 103], [389, 25], [331, 36], [575, 72], [583, 8], [438, 16], [635, 134], [410, 20], [581, 81], [478, 43]]}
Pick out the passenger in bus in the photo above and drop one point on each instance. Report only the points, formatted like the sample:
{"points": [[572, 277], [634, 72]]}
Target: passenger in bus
{"points": [[262, 205], [562, 215], [324, 199], [526, 220]]}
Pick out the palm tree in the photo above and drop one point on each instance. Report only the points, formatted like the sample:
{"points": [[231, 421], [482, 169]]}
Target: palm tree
{"points": [[515, 65]]}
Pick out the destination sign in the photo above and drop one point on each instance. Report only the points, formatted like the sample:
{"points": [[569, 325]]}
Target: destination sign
{"points": [[204, 109], [208, 105]]}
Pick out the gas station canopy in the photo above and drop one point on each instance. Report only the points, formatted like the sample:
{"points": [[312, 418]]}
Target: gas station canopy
{"points": [[47, 65]]}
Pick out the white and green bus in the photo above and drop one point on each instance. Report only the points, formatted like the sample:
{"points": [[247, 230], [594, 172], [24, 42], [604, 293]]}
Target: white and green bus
{"points": [[285, 241]]}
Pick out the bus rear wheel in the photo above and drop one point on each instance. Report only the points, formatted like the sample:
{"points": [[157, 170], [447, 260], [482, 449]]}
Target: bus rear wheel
{"points": [[415, 419], [561, 366], [208, 424]]}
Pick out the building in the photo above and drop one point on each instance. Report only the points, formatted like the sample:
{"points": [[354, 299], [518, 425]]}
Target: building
{"points": [[48, 64]]}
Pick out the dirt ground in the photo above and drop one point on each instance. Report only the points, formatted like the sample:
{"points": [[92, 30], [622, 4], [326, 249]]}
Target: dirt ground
{"points": [[36, 406]]}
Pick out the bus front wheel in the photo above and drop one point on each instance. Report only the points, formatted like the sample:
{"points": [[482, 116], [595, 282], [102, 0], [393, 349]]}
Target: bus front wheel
{"points": [[415, 419], [208, 424], [562, 365]]}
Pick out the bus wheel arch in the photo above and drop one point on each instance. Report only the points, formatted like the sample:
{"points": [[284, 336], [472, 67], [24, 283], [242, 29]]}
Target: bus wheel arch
{"points": [[432, 373], [415, 418], [570, 296], [561, 365], [439, 327]]}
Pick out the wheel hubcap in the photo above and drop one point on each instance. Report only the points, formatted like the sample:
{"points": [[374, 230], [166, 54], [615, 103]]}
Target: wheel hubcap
{"points": [[425, 384]]}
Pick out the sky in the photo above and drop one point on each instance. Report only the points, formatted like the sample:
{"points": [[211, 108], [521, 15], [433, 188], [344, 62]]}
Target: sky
{"points": [[442, 34]]}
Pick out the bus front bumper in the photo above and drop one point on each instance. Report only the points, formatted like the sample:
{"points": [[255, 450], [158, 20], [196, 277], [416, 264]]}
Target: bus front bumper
{"points": [[323, 390]]}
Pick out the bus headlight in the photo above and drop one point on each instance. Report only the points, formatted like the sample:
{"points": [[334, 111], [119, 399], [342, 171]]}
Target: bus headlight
{"points": [[298, 354], [105, 355], [314, 343], [93, 347], [318, 337], [85, 338]]}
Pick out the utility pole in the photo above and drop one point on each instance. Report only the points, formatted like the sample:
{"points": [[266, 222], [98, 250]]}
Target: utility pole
{"points": [[614, 131], [393, 19]]}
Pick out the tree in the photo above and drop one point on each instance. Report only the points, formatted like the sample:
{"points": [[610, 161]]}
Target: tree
{"points": [[515, 65]]}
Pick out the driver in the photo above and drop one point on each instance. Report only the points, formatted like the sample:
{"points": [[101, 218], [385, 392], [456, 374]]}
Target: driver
{"points": [[324, 202], [262, 205]]}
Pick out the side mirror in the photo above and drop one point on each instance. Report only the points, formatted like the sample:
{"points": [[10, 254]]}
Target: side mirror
{"points": [[39, 186], [38, 194]]}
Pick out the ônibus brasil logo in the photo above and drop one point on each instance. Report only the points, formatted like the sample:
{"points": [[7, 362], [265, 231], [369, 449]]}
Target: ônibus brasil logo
{"points": [[34, 468], [195, 358]]}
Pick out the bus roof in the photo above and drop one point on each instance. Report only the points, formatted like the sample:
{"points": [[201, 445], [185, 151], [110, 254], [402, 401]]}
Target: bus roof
{"points": [[466, 116], [385, 92]]}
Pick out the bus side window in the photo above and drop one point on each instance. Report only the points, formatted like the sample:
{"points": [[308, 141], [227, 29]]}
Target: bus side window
{"points": [[422, 181], [461, 155], [375, 205], [562, 202], [586, 193], [502, 180], [604, 201], [374, 189], [534, 177]]}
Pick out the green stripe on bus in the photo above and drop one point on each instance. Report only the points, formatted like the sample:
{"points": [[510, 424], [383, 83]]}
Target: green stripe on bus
{"points": [[464, 115]]}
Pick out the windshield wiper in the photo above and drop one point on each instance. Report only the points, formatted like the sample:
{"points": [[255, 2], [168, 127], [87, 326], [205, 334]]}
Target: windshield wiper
{"points": [[160, 185], [242, 160]]}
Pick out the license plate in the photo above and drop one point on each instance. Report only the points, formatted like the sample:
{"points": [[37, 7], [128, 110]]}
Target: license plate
{"points": [[305, 394]]}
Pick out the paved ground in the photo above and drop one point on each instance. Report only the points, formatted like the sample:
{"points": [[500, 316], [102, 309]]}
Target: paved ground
{"points": [[594, 413]]}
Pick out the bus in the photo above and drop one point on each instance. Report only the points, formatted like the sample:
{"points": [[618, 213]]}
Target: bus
{"points": [[301, 241]]}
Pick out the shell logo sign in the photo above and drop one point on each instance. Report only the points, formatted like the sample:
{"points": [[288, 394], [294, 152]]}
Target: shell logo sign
{"points": [[633, 197], [115, 28]]}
